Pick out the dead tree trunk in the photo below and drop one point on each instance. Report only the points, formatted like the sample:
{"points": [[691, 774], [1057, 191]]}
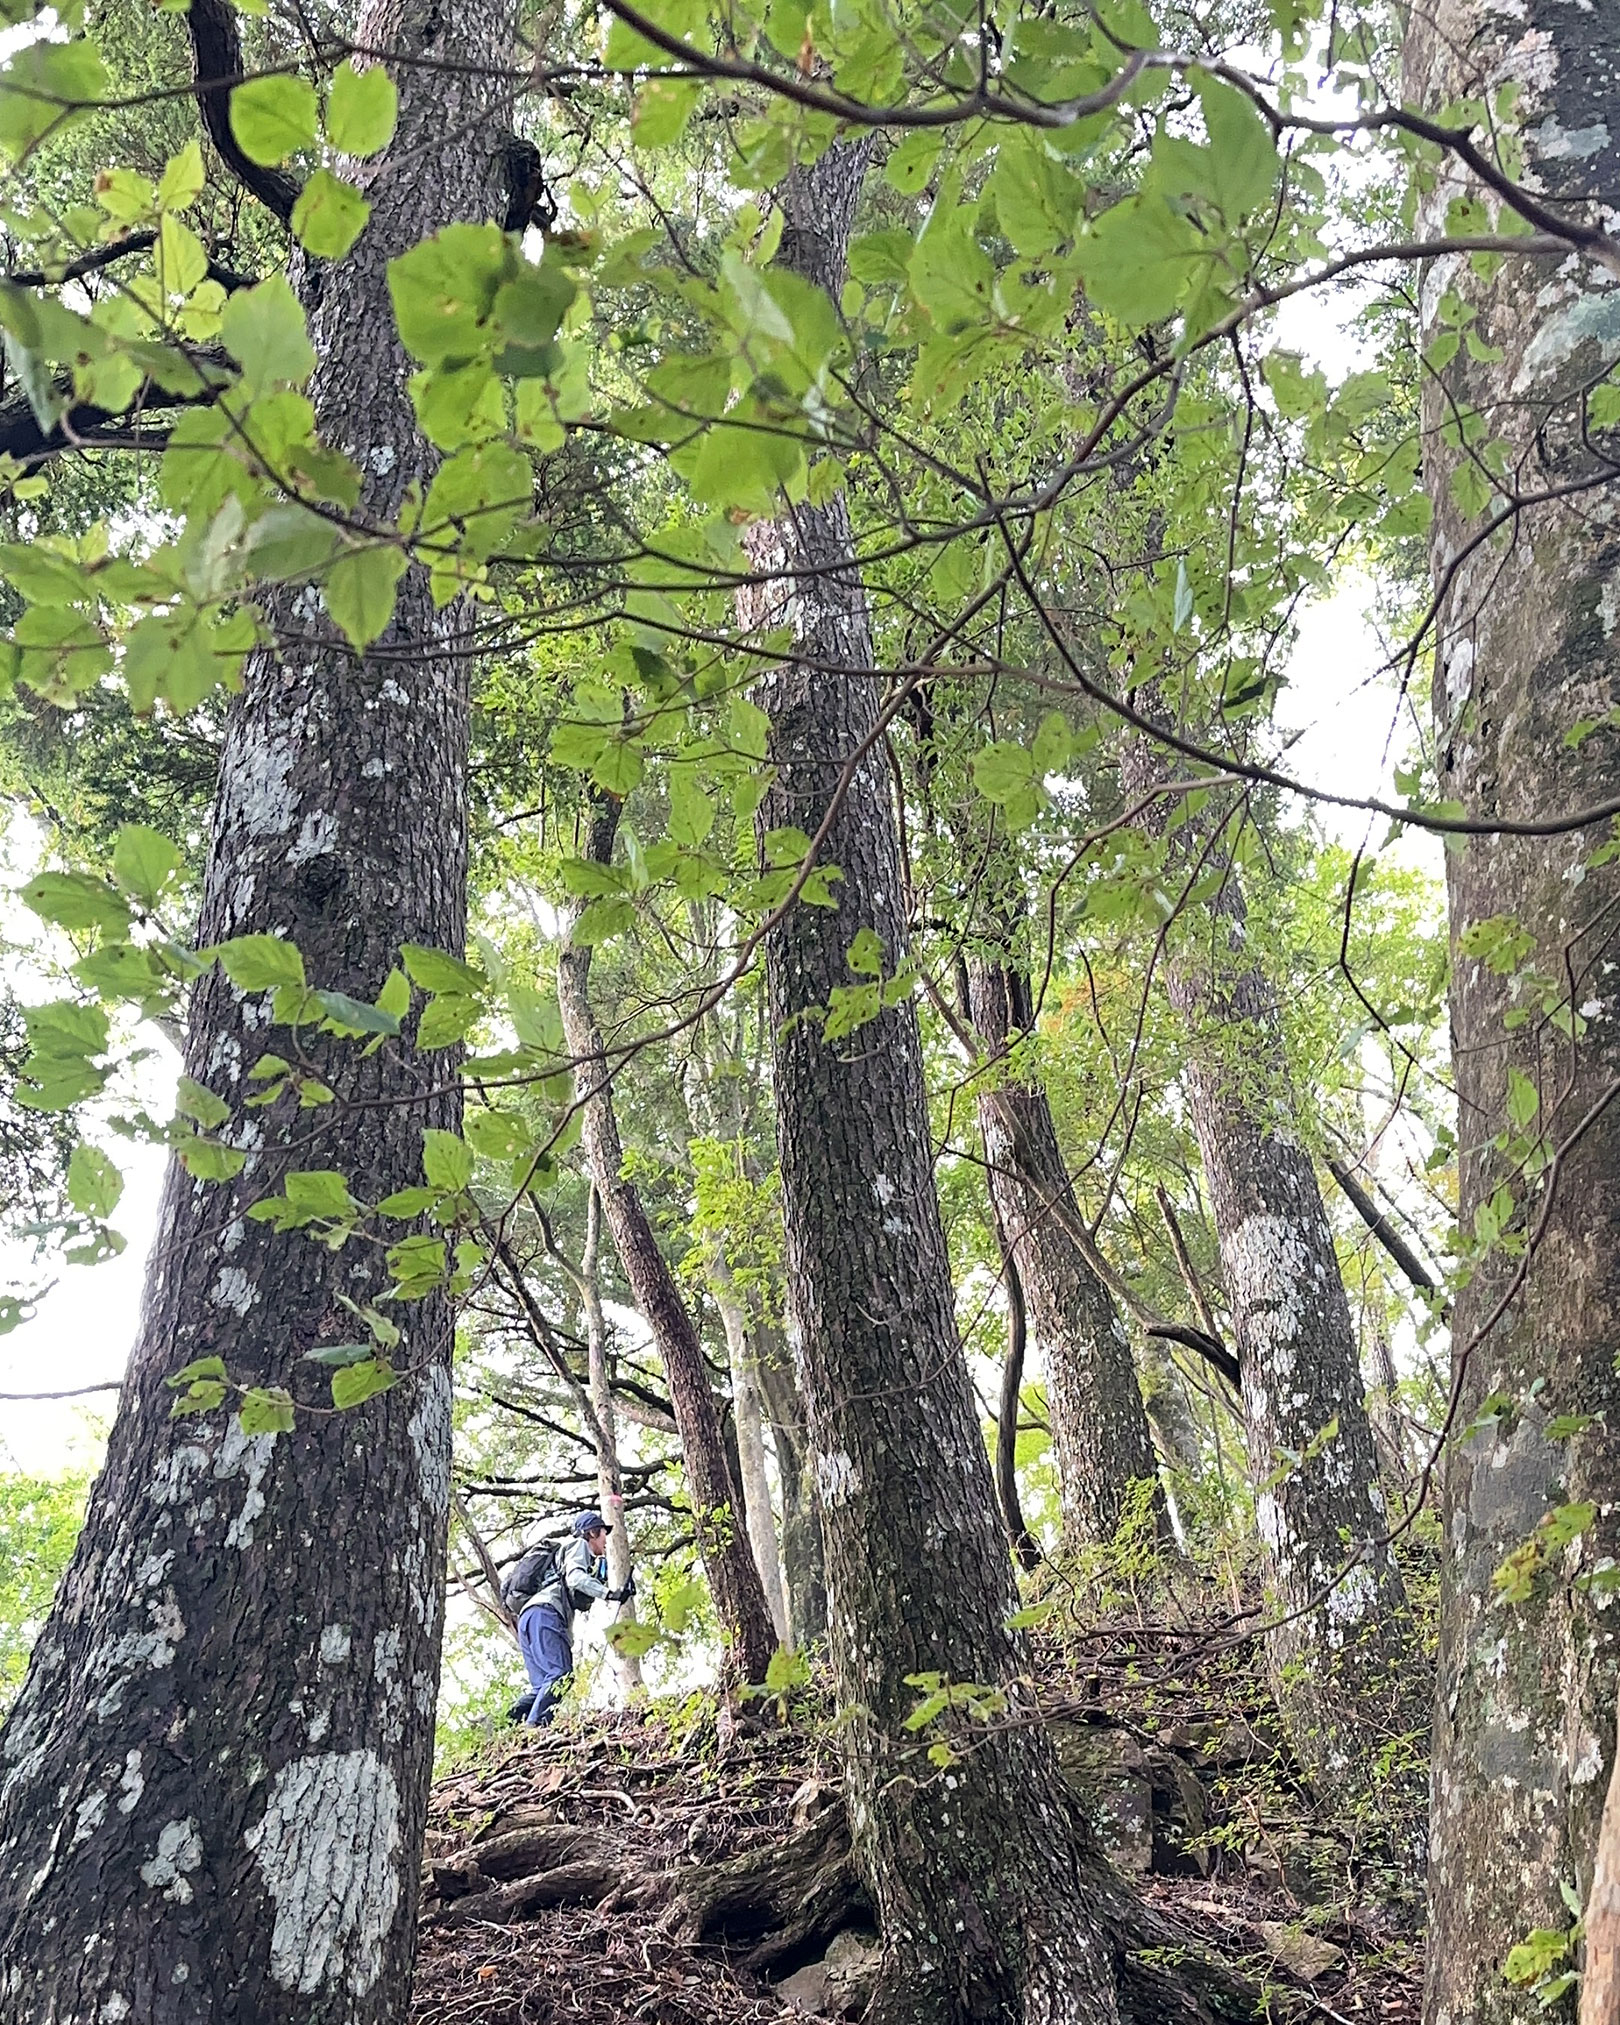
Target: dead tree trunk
{"points": [[1099, 1429], [977, 1876], [215, 1776], [716, 1501], [1525, 653]]}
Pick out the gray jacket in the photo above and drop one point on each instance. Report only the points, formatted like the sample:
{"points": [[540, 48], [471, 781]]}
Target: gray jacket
{"points": [[578, 1583]]}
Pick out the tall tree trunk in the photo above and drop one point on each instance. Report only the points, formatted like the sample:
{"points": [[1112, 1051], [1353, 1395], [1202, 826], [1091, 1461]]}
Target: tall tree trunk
{"points": [[1526, 648], [215, 1775], [609, 1474], [749, 1413], [1342, 1658], [1099, 1429], [804, 1565], [975, 1874], [722, 1536]]}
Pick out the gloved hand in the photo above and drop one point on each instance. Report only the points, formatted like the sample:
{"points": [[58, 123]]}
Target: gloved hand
{"points": [[623, 1595]]}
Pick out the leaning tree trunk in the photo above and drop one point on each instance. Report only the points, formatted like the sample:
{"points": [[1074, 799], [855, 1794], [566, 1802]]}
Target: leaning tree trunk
{"points": [[748, 1411], [1341, 1654], [1525, 650], [976, 1872], [722, 1536], [1099, 1428], [215, 1775]]}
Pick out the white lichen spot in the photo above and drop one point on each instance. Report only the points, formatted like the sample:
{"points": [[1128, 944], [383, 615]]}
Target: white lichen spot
{"points": [[1569, 144], [383, 459], [374, 769], [837, 1478], [334, 1644], [1268, 1271], [1349, 1601], [1588, 1761], [132, 1785], [179, 1851], [317, 837], [385, 1651], [234, 1290], [88, 1817], [391, 692], [114, 2009], [326, 1849], [883, 1188], [246, 1456], [429, 1432], [1593, 317]]}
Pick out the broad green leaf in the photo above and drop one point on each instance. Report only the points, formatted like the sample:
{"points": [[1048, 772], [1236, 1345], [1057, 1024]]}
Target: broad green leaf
{"points": [[329, 215], [497, 1135], [444, 291], [94, 1182], [181, 260], [951, 274], [261, 962], [182, 180], [354, 1384], [40, 88], [1138, 259], [144, 862], [267, 1409], [75, 901], [435, 970], [197, 1101], [361, 588], [263, 330], [1242, 151], [273, 117], [691, 811], [361, 110], [447, 1160]]}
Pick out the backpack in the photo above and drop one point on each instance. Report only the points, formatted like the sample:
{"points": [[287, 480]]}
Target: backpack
{"points": [[522, 1584]]}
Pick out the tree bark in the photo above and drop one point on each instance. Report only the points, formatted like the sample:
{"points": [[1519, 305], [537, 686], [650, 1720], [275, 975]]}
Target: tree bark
{"points": [[1525, 649], [1099, 1428], [804, 1566], [975, 1872], [215, 1775], [609, 1473], [749, 1413], [716, 1504], [1342, 1659]]}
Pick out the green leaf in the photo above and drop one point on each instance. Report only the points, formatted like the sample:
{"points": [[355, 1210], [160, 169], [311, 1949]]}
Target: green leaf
{"points": [[1003, 770], [497, 1135], [352, 1016], [601, 920], [444, 290], [329, 215], [951, 274], [195, 1100], [362, 110], [267, 1409], [183, 179], [144, 862], [339, 1354], [691, 811], [273, 117], [354, 1384], [94, 1182], [865, 954], [360, 591], [408, 1201], [1243, 154], [1138, 258], [447, 1160], [434, 970], [38, 86], [76, 901], [263, 329], [261, 962], [1050, 752], [1523, 1100]]}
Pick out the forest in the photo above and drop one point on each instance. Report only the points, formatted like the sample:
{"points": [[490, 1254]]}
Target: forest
{"points": [[811, 829]]}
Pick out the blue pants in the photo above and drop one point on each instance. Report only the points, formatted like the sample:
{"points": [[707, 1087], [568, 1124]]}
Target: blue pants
{"points": [[548, 1659]]}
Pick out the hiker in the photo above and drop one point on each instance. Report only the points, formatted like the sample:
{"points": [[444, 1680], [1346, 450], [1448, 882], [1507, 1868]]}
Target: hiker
{"points": [[544, 1590]]}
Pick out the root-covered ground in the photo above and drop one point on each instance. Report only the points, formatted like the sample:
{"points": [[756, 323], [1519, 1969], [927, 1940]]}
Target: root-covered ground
{"points": [[683, 1866]]}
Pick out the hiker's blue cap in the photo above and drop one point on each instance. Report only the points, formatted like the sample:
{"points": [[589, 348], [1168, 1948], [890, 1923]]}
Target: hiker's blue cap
{"points": [[590, 1522]]}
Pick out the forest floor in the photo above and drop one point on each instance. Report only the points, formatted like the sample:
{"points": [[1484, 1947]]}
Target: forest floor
{"points": [[674, 1865]]}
